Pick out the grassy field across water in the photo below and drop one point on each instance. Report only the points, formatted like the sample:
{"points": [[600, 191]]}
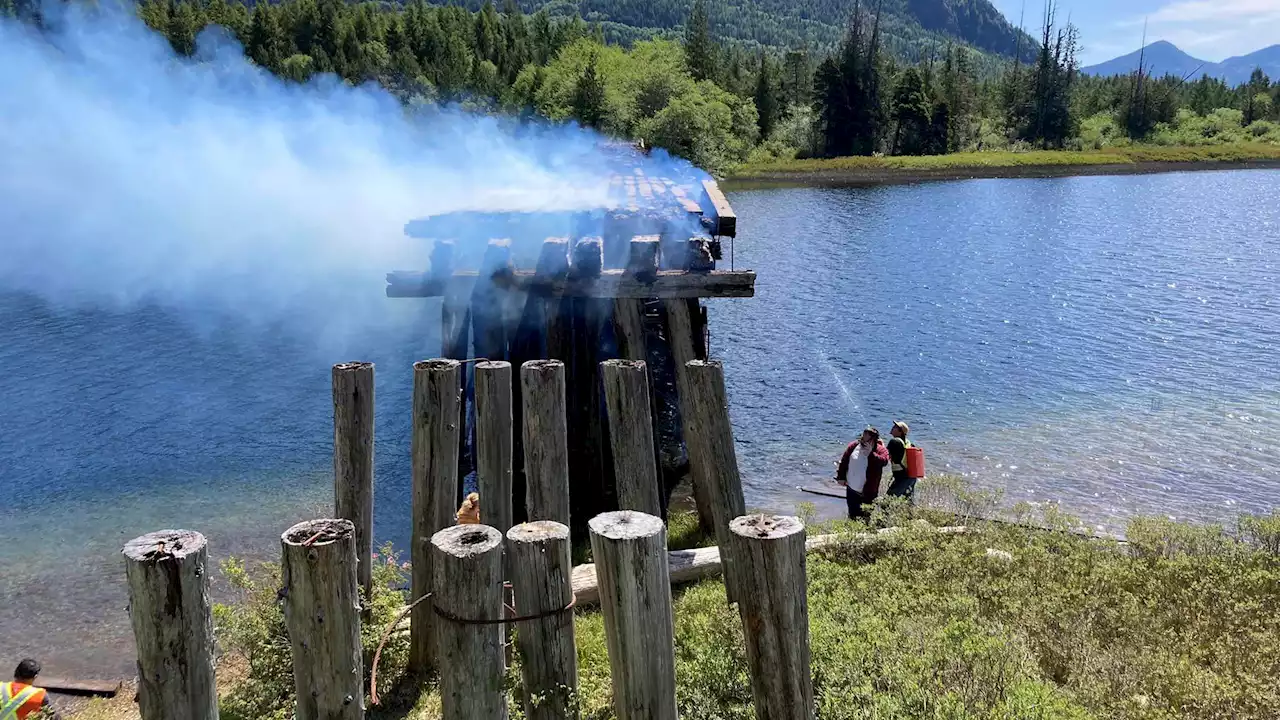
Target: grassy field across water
{"points": [[1037, 163], [1003, 621]]}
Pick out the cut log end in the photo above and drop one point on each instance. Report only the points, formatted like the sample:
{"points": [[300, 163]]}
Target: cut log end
{"points": [[318, 532], [352, 367], [542, 367], [164, 545], [766, 527], [538, 531], [436, 365], [466, 541], [493, 365], [626, 525], [623, 365]]}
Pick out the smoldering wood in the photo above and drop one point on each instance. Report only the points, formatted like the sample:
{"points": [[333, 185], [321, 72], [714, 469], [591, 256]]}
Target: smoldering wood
{"points": [[713, 461], [353, 442], [626, 392], [319, 568], [488, 303], [494, 451], [680, 334], [546, 452], [455, 334], [467, 585], [539, 556], [437, 398], [774, 607], [643, 259], [666, 284], [168, 576], [630, 550], [588, 258]]}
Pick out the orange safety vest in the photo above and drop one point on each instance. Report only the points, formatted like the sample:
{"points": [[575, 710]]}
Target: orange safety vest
{"points": [[17, 700]]}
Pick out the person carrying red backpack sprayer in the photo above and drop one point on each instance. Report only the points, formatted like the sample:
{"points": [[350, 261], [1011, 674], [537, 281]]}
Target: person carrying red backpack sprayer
{"points": [[906, 461]]}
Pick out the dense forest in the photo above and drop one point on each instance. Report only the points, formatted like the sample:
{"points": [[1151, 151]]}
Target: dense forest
{"points": [[720, 103]]}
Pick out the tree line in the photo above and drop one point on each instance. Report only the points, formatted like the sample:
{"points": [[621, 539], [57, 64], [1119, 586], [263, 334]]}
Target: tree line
{"points": [[720, 103]]}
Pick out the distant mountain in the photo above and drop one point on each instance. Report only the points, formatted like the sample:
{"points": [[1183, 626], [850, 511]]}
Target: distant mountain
{"points": [[912, 29], [1164, 58]]}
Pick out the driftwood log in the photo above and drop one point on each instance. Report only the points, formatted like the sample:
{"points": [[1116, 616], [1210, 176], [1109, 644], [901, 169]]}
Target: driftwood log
{"points": [[773, 604], [467, 568], [542, 574], [168, 574], [353, 458], [630, 550], [322, 616]]}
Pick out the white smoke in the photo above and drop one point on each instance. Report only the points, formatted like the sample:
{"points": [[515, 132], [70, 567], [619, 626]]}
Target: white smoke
{"points": [[129, 174]]}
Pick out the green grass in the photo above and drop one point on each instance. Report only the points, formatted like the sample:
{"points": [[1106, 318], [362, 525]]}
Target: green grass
{"points": [[1181, 622], [1238, 152]]}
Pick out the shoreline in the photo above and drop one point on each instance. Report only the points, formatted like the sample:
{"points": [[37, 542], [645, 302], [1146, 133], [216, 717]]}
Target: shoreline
{"points": [[872, 174]]}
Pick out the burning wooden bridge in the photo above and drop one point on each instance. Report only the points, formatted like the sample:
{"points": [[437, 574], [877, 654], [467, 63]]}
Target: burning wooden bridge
{"points": [[626, 280]]}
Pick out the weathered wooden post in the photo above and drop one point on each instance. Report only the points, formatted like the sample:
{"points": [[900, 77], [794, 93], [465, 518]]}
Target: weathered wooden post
{"points": [[468, 600], [437, 399], [542, 569], [353, 458], [493, 443], [635, 463], [168, 573], [630, 550], [322, 615], [773, 604], [712, 459], [681, 335], [546, 451]]}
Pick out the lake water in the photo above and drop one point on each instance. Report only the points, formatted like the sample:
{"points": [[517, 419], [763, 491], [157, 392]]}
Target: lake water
{"points": [[1105, 342]]}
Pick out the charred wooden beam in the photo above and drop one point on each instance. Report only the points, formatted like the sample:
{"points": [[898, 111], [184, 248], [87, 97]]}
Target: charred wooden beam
{"points": [[608, 284]]}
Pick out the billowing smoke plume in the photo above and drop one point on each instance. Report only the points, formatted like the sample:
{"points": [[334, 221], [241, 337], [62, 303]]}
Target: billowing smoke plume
{"points": [[129, 174]]}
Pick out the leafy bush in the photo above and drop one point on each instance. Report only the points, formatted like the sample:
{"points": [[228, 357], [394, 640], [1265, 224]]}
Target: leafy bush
{"points": [[1100, 131]]}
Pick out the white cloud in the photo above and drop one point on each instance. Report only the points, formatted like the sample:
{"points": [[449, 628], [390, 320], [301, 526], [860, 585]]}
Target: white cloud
{"points": [[1211, 29]]}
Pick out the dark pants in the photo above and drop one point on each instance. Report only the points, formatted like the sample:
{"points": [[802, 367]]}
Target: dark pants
{"points": [[857, 511], [903, 487]]}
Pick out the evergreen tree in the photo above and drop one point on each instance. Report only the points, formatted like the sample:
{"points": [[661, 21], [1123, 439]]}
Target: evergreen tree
{"points": [[797, 79], [266, 46], [766, 97], [183, 24], [588, 97], [699, 49], [850, 109], [910, 114]]}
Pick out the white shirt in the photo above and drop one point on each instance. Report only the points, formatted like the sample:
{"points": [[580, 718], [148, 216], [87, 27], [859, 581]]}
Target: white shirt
{"points": [[857, 477]]}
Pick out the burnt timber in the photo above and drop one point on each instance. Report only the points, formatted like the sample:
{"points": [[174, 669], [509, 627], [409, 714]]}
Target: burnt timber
{"points": [[584, 285]]}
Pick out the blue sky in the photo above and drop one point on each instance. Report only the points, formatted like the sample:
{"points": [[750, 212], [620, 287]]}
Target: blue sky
{"points": [[1208, 29]]}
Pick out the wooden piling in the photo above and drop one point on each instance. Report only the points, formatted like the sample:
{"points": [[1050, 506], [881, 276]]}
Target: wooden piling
{"points": [[353, 408], [626, 393], [546, 452], [494, 443], [322, 615], [542, 573], [773, 605], [553, 264], [467, 572], [630, 550], [437, 398], [168, 574], [680, 334], [713, 461]]}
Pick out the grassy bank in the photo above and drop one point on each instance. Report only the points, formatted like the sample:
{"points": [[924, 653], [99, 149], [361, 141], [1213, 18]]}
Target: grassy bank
{"points": [[1039, 163], [1183, 622]]}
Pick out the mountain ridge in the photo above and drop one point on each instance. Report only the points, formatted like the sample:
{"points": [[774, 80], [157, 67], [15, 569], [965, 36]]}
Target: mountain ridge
{"points": [[1165, 58]]}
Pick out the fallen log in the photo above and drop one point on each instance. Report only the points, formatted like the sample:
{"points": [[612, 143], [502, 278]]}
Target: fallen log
{"points": [[63, 686]]}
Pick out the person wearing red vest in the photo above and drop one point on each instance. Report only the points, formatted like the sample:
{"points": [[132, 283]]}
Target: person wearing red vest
{"points": [[21, 698]]}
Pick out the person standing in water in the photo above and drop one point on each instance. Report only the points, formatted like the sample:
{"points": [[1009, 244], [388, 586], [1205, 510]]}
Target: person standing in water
{"points": [[903, 484], [860, 470]]}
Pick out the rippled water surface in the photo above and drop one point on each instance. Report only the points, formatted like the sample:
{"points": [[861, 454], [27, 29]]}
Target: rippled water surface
{"points": [[1107, 342]]}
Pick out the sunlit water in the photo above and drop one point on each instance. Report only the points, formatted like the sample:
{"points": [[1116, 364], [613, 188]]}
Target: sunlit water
{"points": [[1105, 342]]}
